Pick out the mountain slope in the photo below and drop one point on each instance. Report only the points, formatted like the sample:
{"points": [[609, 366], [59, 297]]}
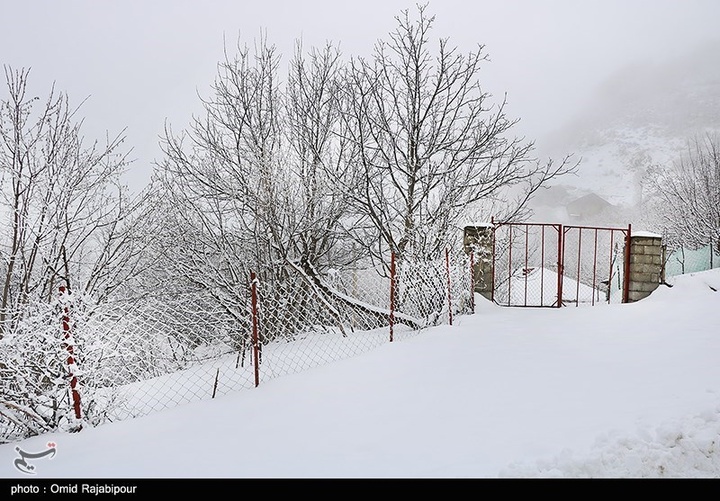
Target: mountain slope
{"points": [[643, 115]]}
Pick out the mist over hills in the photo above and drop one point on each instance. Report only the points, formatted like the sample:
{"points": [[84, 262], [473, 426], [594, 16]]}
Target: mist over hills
{"points": [[642, 115]]}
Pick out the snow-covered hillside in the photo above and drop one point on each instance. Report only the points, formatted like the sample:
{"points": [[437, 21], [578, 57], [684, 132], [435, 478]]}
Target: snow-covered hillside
{"points": [[640, 117]]}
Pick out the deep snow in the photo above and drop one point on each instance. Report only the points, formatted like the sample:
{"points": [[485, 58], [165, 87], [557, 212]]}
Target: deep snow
{"points": [[618, 390]]}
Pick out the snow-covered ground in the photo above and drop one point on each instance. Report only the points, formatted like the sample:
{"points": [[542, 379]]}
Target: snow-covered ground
{"points": [[539, 287], [613, 390]]}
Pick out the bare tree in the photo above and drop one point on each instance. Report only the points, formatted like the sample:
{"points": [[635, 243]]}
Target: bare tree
{"points": [[427, 143], [213, 185], [686, 195], [229, 161], [247, 182], [318, 152], [62, 200], [255, 167], [68, 222]]}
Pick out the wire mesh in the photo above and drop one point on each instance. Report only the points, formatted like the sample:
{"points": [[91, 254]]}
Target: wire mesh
{"points": [[167, 349], [684, 259]]}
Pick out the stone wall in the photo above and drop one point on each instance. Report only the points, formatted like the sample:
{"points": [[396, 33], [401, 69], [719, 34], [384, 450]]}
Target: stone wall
{"points": [[645, 264]]}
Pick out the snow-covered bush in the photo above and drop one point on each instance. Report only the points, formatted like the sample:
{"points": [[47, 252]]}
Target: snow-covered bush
{"points": [[39, 359]]}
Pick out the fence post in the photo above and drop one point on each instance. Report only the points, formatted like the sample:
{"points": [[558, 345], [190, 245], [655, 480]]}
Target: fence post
{"points": [[712, 250], [510, 263], [626, 267], [664, 262], [472, 282], [447, 273], [579, 269], [392, 294], [560, 264], [256, 355], [68, 341], [492, 275]]}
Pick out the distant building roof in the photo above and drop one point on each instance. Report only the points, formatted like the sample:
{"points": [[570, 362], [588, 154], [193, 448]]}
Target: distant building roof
{"points": [[586, 206]]}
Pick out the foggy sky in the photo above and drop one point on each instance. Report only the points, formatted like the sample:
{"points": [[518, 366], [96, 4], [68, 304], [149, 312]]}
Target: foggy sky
{"points": [[142, 62]]}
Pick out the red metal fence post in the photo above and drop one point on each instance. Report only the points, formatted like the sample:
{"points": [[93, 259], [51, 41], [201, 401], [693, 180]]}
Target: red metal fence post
{"points": [[594, 286], [560, 264], [611, 261], [525, 268], [472, 281], [626, 267], [256, 354], [71, 355], [542, 265], [494, 250], [449, 295], [579, 269], [392, 294], [510, 270]]}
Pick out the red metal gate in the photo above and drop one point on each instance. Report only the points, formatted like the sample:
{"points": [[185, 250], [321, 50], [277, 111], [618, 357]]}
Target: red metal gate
{"points": [[552, 265]]}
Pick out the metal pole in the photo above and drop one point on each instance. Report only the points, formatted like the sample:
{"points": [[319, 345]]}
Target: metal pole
{"points": [[392, 294], [510, 227], [449, 294], [626, 267], [592, 302], [472, 281], [542, 266], [609, 283], [664, 262], [215, 385], [577, 278], [256, 353], [560, 264], [492, 277], [71, 355], [526, 271]]}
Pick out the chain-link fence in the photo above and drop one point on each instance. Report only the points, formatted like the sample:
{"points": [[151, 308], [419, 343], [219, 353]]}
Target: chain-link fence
{"points": [[684, 259], [164, 349]]}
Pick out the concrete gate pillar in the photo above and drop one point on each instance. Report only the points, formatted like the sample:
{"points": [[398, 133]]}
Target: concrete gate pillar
{"points": [[645, 264], [478, 240]]}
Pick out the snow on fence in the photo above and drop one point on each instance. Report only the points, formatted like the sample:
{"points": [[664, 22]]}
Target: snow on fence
{"points": [[172, 348]]}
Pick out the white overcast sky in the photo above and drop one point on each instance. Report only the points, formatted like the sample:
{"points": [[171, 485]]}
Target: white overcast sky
{"points": [[141, 62]]}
